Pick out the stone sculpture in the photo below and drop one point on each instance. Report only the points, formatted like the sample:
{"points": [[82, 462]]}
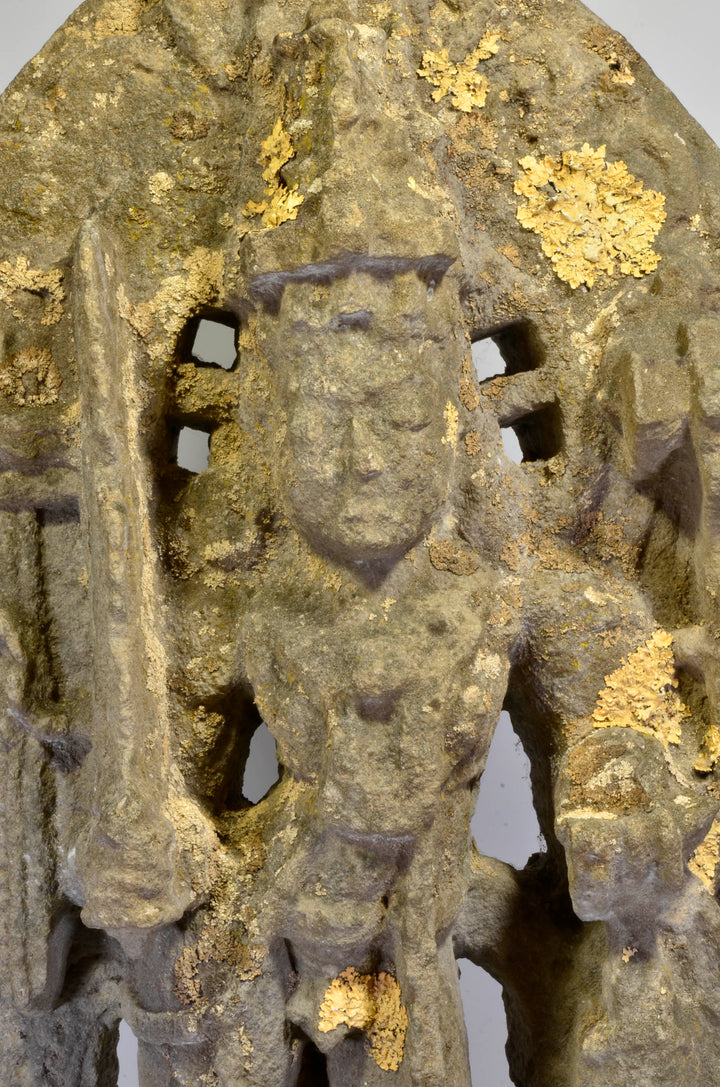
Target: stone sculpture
{"points": [[359, 190]]}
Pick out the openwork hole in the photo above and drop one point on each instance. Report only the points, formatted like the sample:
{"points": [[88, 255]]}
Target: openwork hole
{"points": [[127, 1054], [505, 825], [313, 1067], [487, 360], [511, 445], [214, 344], [539, 433], [193, 449], [261, 769], [507, 349], [486, 1025]]}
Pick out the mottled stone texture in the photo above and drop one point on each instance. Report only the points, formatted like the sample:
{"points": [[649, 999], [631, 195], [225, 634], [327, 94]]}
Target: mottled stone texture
{"points": [[359, 190]]}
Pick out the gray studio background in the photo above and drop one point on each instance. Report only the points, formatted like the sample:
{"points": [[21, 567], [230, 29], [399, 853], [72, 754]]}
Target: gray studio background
{"points": [[680, 42]]}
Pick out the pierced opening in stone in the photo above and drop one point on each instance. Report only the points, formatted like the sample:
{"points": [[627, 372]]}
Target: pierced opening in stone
{"points": [[313, 1067], [539, 433], [213, 341], [193, 449], [505, 825], [487, 360], [261, 769], [506, 350], [486, 1026], [511, 445], [127, 1055]]}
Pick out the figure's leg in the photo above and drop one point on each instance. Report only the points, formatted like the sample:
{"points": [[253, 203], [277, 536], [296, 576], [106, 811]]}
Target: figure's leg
{"points": [[220, 1029], [75, 1045], [175, 1066], [436, 1050]]}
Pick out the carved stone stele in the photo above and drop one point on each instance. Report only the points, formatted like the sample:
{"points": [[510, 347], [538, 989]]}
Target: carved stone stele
{"points": [[359, 191]]}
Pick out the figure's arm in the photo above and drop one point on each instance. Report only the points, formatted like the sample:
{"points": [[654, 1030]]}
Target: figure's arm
{"points": [[624, 799]]}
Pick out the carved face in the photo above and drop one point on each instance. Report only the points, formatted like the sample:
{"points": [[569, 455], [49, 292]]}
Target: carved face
{"points": [[368, 373]]}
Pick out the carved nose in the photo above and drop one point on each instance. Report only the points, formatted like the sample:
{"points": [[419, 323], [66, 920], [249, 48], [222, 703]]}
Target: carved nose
{"points": [[366, 460]]}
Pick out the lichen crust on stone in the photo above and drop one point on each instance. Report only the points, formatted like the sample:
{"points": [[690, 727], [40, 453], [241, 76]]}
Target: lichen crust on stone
{"points": [[371, 1003], [709, 751], [30, 377], [20, 277], [593, 216], [281, 201], [704, 861], [467, 86], [642, 693], [618, 54], [177, 297], [119, 17]]}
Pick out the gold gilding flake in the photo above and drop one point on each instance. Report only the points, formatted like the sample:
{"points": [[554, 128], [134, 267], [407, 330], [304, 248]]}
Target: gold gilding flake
{"points": [[371, 1003], [466, 85], [592, 215], [706, 857], [281, 202], [642, 693]]}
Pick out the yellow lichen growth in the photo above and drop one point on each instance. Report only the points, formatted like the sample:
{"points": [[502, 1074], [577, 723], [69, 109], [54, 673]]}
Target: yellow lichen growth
{"points": [[451, 424], [215, 944], [446, 555], [592, 215], [709, 751], [281, 202], [615, 51], [47, 285], [30, 377], [372, 1003], [118, 17], [466, 85], [706, 857], [642, 693], [160, 186], [178, 297]]}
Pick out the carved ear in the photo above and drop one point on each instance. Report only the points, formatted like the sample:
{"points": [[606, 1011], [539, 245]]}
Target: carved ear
{"points": [[124, 884]]}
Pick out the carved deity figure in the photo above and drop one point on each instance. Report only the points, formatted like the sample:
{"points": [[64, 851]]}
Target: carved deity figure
{"points": [[359, 192]]}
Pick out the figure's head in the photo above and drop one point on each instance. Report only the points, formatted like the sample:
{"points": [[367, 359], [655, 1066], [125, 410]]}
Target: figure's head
{"points": [[367, 369]]}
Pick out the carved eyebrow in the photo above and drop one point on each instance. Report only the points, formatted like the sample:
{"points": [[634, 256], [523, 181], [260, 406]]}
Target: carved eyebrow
{"points": [[268, 287]]}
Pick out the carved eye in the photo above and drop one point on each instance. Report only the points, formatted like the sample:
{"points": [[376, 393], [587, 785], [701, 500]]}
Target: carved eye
{"points": [[413, 425]]}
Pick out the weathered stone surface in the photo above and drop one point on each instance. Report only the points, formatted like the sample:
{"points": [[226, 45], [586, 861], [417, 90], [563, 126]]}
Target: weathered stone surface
{"points": [[359, 191]]}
